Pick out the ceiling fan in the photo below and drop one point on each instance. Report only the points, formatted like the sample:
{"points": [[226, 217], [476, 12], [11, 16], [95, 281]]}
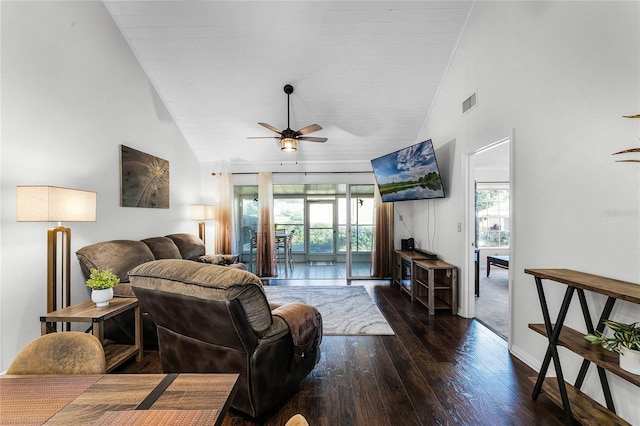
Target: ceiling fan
{"points": [[288, 139]]}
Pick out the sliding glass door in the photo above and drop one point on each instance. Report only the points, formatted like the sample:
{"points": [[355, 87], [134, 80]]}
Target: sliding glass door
{"points": [[332, 226], [356, 229], [321, 244]]}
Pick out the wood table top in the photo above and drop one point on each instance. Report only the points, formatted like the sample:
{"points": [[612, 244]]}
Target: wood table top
{"points": [[434, 264], [87, 311], [622, 290], [81, 400]]}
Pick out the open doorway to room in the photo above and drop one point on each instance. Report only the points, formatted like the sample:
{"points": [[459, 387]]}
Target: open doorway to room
{"points": [[490, 173]]}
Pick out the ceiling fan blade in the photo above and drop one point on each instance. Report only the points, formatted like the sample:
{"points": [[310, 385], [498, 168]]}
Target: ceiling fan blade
{"points": [[270, 127], [263, 137], [309, 129], [312, 139], [627, 151]]}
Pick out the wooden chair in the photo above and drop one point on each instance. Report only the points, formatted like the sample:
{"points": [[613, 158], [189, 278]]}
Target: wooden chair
{"points": [[290, 249], [297, 420], [284, 252], [70, 352], [253, 247]]}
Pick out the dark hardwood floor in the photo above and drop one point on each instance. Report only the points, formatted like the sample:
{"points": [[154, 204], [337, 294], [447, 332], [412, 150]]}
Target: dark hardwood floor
{"points": [[436, 370]]}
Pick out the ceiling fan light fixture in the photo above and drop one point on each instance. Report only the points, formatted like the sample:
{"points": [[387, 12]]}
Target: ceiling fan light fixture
{"points": [[288, 144], [289, 139]]}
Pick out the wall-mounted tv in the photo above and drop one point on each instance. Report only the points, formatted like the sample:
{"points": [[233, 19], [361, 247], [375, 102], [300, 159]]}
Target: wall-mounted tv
{"points": [[410, 173]]}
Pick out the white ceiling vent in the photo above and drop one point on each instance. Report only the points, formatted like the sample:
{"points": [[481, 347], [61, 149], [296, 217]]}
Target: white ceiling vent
{"points": [[469, 103]]}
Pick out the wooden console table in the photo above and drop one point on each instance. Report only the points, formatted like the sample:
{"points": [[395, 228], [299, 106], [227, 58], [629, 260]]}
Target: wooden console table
{"points": [[435, 285], [87, 311], [584, 409], [399, 275]]}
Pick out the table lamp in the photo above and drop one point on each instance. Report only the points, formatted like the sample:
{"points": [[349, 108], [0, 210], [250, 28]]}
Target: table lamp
{"points": [[55, 204], [201, 212]]}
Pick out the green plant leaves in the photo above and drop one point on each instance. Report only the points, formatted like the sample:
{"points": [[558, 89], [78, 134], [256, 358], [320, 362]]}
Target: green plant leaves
{"points": [[627, 335], [102, 279]]}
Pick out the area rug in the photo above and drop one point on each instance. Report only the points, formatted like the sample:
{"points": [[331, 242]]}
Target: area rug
{"points": [[346, 310]]}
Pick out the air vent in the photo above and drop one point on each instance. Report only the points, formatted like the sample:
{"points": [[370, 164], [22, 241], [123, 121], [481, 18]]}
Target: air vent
{"points": [[469, 103]]}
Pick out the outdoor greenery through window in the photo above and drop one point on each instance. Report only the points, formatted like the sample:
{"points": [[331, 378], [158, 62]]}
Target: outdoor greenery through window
{"points": [[248, 220], [308, 211], [361, 224], [492, 214], [288, 215]]}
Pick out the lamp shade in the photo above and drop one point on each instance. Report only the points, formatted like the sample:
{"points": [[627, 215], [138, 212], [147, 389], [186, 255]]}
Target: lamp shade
{"points": [[288, 144], [201, 212], [54, 204]]}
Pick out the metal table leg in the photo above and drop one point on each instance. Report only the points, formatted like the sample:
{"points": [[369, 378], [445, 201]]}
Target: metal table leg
{"points": [[553, 332]]}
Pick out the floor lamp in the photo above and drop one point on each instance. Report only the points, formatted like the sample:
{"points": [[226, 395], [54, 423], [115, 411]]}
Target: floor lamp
{"points": [[201, 213], [55, 204]]}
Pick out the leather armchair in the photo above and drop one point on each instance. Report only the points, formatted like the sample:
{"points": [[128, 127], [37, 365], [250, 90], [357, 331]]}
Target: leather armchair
{"points": [[214, 319]]}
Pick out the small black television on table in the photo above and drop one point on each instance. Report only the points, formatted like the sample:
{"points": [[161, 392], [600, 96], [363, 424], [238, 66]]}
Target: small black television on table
{"points": [[410, 173]]}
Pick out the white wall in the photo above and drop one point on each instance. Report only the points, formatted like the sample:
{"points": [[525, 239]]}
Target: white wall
{"points": [[72, 92], [561, 74]]}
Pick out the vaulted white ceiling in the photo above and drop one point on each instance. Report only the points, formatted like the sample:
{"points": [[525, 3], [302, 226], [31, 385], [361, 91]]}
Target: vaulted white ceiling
{"points": [[366, 71]]}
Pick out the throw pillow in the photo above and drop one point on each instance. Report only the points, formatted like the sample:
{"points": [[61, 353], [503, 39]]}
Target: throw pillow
{"points": [[163, 248], [190, 246], [215, 259], [120, 256]]}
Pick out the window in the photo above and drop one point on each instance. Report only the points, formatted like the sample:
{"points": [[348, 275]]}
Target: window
{"points": [[288, 214], [492, 214], [290, 205], [248, 214], [361, 224]]}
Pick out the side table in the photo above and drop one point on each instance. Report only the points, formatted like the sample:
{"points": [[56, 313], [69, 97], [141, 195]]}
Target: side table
{"points": [[87, 312]]}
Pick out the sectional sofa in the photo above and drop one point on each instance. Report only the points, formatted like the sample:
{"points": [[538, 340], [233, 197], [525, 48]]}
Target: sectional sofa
{"points": [[121, 256]]}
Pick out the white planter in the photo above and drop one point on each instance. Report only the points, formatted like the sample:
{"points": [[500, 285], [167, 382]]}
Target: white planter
{"points": [[630, 360], [102, 297]]}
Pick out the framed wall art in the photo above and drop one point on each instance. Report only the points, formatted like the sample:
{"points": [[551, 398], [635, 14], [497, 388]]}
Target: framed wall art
{"points": [[144, 179]]}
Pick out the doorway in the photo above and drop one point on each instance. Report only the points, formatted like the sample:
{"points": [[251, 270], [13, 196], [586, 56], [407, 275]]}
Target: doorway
{"points": [[489, 221]]}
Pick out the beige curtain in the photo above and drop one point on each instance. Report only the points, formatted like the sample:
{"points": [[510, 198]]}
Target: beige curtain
{"points": [[223, 215], [265, 259], [381, 258]]}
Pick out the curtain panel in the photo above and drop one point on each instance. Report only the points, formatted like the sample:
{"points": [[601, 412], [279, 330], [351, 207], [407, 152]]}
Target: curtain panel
{"points": [[381, 259], [224, 242], [265, 259]]}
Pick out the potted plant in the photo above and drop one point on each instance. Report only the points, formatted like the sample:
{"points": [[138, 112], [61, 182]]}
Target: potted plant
{"points": [[101, 283], [625, 341]]}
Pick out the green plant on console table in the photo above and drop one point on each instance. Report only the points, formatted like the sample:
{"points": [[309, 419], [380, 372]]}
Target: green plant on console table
{"points": [[102, 279], [627, 335]]}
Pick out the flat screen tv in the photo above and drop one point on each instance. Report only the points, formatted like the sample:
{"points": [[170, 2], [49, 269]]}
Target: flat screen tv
{"points": [[410, 173]]}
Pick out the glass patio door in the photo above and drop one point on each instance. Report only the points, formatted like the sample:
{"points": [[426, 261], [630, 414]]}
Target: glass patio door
{"points": [[359, 229], [321, 242]]}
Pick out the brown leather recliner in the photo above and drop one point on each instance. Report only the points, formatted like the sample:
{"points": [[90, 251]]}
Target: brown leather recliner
{"points": [[213, 319]]}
